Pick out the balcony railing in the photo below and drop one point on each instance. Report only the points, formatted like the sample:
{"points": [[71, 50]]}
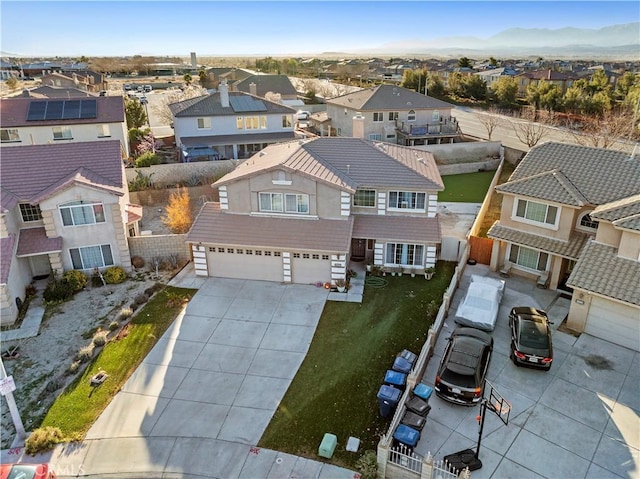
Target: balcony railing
{"points": [[446, 126]]}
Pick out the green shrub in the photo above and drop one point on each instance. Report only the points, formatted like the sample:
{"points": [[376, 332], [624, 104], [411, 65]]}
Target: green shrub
{"points": [[43, 439], [137, 134], [367, 464], [147, 159], [76, 279], [85, 354], [57, 291], [125, 313], [100, 338], [141, 182], [73, 367], [113, 325], [114, 275]]}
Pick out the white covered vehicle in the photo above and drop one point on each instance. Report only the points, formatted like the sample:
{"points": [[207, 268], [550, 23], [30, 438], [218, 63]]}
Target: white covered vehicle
{"points": [[479, 308]]}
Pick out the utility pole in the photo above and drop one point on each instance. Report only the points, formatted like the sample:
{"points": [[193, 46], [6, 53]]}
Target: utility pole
{"points": [[7, 386]]}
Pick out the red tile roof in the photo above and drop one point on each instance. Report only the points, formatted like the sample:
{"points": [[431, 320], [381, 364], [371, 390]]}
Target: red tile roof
{"points": [[34, 241], [397, 228]]}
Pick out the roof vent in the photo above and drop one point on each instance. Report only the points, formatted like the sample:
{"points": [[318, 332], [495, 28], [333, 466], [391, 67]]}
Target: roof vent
{"points": [[348, 168]]}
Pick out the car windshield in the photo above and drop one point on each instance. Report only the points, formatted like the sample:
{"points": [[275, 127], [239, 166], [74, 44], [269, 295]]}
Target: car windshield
{"points": [[534, 335], [459, 380]]}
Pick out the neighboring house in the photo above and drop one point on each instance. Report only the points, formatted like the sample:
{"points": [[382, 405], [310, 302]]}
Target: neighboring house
{"points": [[393, 114], [491, 76], [63, 93], [8, 70], [89, 81], [561, 79], [606, 278], [229, 124], [63, 206], [269, 86], [30, 121], [553, 208], [298, 212]]}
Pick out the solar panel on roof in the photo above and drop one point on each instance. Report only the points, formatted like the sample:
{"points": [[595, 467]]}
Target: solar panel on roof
{"points": [[62, 110], [88, 109], [71, 109], [54, 110], [37, 110], [246, 103]]}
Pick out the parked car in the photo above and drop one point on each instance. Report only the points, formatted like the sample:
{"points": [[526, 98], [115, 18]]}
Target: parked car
{"points": [[479, 308], [140, 89], [147, 88], [26, 471], [303, 115], [530, 338], [463, 368], [143, 99], [126, 87]]}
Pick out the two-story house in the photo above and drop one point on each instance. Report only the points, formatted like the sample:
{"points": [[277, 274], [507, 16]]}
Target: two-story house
{"points": [[299, 211], [551, 209], [269, 86], [395, 115], [63, 206], [606, 278], [561, 79], [229, 124], [33, 121]]}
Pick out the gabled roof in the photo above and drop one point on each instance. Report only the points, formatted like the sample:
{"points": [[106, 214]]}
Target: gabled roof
{"points": [[210, 105], [347, 163], [13, 112], [31, 172], [547, 74], [388, 97], [628, 223], [57, 92], [578, 173], [601, 270], [265, 84], [617, 210], [34, 241]]}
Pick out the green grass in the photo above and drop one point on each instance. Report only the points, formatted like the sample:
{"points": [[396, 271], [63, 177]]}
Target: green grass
{"points": [[466, 188], [336, 386], [76, 409]]}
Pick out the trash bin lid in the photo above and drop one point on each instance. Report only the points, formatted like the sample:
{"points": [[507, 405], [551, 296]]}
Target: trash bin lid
{"points": [[389, 393], [407, 435], [419, 406], [402, 365], [395, 378], [423, 391], [408, 355], [413, 420]]}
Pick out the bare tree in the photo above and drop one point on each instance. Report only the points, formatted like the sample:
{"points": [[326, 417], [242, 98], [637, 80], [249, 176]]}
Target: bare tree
{"points": [[528, 131], [603, 131], [175, 95], [490, 120]]}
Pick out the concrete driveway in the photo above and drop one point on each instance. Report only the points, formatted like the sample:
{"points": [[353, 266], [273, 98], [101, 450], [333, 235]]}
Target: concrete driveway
{"points": [[200, 401], [579, 420]]}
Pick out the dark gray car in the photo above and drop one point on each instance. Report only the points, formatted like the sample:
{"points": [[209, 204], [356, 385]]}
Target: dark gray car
{"points": [[530, 338]]}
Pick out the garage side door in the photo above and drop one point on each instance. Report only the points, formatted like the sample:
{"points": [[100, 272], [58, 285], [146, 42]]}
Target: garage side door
{"points": [[307, 268], [614, 322], [238, 264]]}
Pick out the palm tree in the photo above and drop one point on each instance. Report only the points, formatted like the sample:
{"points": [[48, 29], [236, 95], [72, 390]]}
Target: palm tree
{"points": [[187, 79]]}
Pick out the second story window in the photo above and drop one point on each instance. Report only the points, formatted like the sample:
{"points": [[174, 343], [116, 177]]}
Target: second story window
{"points": [[378, 116], [30, 212], [286, 121], [62, 133], [536, 212], [103, 131], [393, 115], [78, 213], [252, 122], [204, 123], [410, 200], [587, 222], [284, 203], [411, 116], [365, 198], [239, 123], [435, 115], [8, 135]]}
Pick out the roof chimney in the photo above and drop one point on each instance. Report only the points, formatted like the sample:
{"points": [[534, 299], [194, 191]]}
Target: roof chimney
{"points": [[224, 94], [253, 89], [358, 126]]}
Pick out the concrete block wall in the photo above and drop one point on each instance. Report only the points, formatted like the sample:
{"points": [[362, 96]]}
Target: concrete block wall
{"points": [[148, 247], [173, 173]]}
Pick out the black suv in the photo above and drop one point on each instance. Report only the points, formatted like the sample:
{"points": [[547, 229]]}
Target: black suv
{"points": [[530, 338], [464, 366]]}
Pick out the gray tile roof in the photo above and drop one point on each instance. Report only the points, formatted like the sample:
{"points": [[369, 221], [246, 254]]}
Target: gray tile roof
{"points": [[567, 249], [551, 186], [397, 228], [63, 93], [28, 172], [617, 210], [240, 138], [34, 241], [13, 112], [267, 83], [210, 105], [213, 226], [599, 175], [7, 245], [600, 270], [629, 223], [348, 163], [388, 97]]}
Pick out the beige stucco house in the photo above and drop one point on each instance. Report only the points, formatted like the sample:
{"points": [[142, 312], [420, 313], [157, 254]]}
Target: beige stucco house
{"points": [[560, 211], [298, 212]]}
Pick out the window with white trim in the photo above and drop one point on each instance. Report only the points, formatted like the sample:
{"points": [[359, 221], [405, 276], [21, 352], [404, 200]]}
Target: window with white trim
{"points": [[378, 116], [78, 213], [204, 123], [410, 200], [252, 122], [411, 116], [435, 115], [62, 133], [239, 123], [536, 212], [103, 131], [393, 115], [287, 122], [405, 254], [528, 258], [366, 198], [30, 212], [284, 203], [588, 223], [91, 257], [375, 137], [8, 135]]}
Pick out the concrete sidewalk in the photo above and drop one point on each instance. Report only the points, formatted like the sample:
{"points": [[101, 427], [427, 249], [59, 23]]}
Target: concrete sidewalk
{"points": [[200, 401]]}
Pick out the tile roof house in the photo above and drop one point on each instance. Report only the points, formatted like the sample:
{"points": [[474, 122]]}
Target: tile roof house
{"points": [[35, 121], [561, 79], [570, 218], [63, 206], [393, 114], [266, 86], [300, 211], [229, 124]]}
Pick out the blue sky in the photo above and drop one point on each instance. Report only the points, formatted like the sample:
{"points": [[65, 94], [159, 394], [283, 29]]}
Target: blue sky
{"points": [[225, 28]]}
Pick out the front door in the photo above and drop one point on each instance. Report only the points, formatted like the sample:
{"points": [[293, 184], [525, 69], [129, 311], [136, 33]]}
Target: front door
{"points": [[40, 266], [358, 249]]}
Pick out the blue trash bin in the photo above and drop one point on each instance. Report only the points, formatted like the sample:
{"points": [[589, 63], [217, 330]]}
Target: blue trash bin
{"points": [[388, 398], [401, 365], [395, 379], [407, 435], [409, 356], [423, 391]]}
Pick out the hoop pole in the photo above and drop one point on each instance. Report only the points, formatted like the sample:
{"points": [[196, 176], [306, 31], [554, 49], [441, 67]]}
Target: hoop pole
{"points": [[483, 413]]}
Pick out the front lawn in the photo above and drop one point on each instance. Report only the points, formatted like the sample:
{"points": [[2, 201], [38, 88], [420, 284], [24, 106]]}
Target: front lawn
{"points": [[77, 408], [466, 188], [336, 386]]}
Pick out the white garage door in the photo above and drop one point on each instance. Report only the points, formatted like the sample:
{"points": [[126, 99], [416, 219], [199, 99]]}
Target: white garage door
{"points": [[244, 264], [307, 268], [614, 322]]}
